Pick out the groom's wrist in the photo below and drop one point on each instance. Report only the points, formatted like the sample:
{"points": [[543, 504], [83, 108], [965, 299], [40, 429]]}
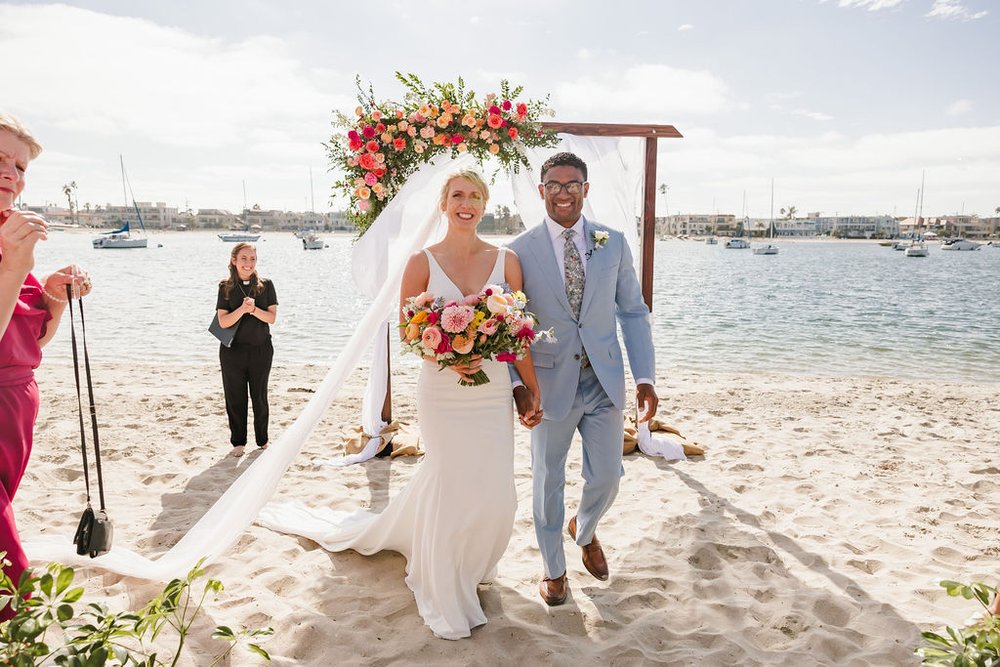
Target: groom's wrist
{"points": [[645, 381]]}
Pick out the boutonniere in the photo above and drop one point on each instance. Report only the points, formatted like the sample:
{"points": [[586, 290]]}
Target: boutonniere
{"points": [[599, 238]]}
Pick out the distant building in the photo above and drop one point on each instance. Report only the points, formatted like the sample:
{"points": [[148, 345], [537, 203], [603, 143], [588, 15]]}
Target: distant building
{"points": [[154, 215], [858, 226], [697, 224]]}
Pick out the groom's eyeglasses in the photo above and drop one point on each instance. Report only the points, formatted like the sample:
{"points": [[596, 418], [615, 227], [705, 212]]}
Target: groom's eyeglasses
{"points": [[555, 187]]}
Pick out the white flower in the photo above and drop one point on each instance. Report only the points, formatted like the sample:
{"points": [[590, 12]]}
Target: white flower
{"points": [[600, 238]]}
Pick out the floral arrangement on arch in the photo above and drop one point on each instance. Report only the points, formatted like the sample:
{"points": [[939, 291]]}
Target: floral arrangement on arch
{"points": [[386, 142]]}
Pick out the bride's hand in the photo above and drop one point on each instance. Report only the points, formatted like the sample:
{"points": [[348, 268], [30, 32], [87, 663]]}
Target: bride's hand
{"points": [[468, 368]]}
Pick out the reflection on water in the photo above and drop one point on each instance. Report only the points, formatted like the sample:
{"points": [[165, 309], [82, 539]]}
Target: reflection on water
{"points": [[816, 309]]}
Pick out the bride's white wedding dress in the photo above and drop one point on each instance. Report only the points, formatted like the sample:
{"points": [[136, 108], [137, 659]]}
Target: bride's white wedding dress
{"points": [[453, 521]]}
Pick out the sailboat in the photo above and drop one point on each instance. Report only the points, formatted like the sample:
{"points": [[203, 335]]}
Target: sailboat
{"points": [[242, 235], [739, 243], [917, 247], [124, 237], [770, 248]]}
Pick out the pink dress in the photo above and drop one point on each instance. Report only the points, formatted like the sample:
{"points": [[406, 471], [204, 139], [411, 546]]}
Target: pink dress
{"points": [[19, 356]]}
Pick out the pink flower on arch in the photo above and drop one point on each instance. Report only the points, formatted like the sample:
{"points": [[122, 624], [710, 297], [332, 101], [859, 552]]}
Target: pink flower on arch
{"points": [[368, 131], [370, 179]]}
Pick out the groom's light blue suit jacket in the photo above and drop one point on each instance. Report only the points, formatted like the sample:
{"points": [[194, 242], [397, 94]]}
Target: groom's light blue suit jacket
{"points": [[611, 291]]}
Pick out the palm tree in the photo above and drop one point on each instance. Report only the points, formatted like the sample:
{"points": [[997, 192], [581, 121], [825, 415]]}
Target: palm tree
{"points": [[69, 189], [789, 212]]}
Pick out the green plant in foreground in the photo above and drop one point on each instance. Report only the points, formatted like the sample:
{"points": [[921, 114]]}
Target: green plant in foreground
{"points": [[96, 636], [977, 645]]}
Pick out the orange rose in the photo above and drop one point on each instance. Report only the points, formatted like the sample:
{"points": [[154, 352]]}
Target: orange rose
{"points": [[494, 148]]}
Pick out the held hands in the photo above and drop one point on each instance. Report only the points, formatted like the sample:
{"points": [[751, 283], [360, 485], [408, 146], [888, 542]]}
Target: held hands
{"points": [[19, 232], [248, 306], [647, 401], [529, 406]]}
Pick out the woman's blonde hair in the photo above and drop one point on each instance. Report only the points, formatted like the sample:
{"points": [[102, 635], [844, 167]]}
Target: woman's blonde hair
{"points": [[15, 127], [468, 174]]}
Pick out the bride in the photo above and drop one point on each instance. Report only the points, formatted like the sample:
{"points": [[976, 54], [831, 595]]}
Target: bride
{"points": [[453, 521]]}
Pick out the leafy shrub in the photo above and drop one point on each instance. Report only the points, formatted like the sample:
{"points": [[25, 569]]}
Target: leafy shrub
{"points": [[972, 646], [97, 636]]}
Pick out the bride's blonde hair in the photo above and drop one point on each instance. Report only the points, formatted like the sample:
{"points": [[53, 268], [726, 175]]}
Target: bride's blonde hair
{"points": [[471, 175]]}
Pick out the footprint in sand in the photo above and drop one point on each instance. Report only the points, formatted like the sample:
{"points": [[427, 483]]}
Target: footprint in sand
{"points": [[868, 566], [832, 614]]}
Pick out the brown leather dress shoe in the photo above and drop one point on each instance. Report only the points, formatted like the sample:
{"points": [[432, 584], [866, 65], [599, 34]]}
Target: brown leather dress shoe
{"points": [[593, 554], [554, 591]]}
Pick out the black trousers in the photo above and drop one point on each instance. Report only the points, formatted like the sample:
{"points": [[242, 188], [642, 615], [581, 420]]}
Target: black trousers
{"points": [[246, 367]]}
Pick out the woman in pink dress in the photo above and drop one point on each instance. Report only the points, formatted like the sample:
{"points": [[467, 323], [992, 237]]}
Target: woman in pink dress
{"points": [[29, 314]]}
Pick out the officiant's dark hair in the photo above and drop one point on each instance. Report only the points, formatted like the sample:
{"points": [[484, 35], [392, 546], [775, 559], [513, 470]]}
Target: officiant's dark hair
{"points": [[564, 159]]}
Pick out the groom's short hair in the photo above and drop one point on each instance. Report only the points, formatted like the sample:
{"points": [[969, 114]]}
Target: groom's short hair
{"points": [[564, 159]]}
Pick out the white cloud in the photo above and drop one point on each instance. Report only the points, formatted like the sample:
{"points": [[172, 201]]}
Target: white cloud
{"points": [[125, 75], [871, 5], [959, 107], [953, 9], [832, 172], [684, 27], [651, 93], [814, 115]]}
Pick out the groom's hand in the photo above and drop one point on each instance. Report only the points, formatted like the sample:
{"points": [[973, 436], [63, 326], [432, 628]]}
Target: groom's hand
{"points": [[647, 401], [528, 408]]}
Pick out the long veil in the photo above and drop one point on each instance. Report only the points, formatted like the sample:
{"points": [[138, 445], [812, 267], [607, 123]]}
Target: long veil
{"points": [[407, 224]]}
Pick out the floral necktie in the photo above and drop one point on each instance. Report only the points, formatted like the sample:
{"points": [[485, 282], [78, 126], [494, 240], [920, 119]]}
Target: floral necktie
{"points": [[573, 272]]}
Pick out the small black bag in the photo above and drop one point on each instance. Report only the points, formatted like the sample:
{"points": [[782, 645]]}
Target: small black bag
{"points": [[94, 532]]}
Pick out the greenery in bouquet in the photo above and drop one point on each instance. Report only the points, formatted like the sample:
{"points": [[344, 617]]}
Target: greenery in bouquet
{"points": [[385, 142], [492, 324]]}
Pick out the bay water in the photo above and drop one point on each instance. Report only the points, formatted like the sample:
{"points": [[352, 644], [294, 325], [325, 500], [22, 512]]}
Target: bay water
{"points": [[819, 308]]}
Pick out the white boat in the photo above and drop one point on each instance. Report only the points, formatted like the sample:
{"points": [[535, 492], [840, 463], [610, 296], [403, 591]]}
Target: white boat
{"points": [[960, 244], [244, 236], [312, 242], [916, 249], [124, 237], [770, 248], [737, 244], [901, 245], [120, 238]]}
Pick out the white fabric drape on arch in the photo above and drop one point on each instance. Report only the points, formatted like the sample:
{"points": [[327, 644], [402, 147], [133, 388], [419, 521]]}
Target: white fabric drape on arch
{"points": [[408, 223]]}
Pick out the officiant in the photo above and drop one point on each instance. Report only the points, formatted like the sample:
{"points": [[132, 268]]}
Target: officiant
{"points": [[248, 302]]}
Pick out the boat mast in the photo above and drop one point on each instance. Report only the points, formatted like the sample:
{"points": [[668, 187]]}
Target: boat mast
{"points": [[770, 231]]}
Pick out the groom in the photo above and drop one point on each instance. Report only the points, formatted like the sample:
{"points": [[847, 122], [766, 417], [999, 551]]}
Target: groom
{"points": [[579, 277]]}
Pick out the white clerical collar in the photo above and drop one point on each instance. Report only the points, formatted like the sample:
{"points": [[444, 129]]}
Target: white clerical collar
{"points": [[556, 230]]}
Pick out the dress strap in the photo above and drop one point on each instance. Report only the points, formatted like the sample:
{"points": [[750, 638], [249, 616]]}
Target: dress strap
{"points": [[498, 274]]}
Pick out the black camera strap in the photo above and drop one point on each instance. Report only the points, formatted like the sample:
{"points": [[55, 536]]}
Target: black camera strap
{"points": [[90, 396]]}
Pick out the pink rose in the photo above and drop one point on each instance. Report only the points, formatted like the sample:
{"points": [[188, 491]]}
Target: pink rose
{"points": [[512, 133], [364, 205], [423, 299], [507, 105], [489, 327], [494, 109], [399, 143], [368, 131], [522, 109], [433, 317], [370, 179], [494, 121], [372, 147], [356, 145], [431, 338], [353, 135], [471, 300], [366, 161]]}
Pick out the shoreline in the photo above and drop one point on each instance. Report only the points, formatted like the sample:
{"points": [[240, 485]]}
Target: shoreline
{"points": [[812, 530]]}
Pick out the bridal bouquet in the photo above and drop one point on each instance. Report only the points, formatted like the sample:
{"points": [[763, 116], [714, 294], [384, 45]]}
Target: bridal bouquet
{"points": [[492, 324]]}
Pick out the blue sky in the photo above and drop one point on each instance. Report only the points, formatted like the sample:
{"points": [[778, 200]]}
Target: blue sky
{"points": [[842, 102]]}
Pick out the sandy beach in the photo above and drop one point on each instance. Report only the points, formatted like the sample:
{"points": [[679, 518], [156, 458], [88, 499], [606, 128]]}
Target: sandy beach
{"points": [[813, 531]]}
